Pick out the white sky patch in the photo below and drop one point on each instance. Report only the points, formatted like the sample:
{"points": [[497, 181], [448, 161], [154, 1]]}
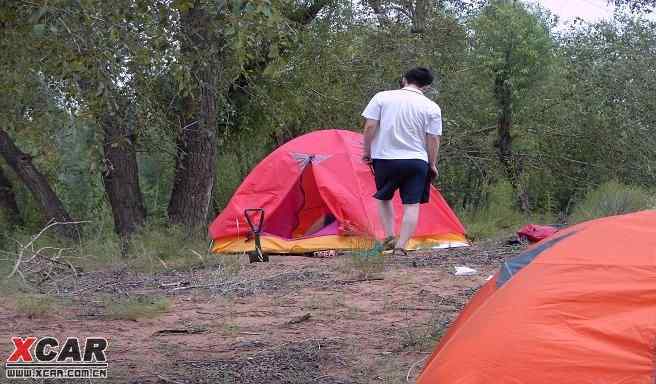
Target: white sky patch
{"points": [[589, 10]]}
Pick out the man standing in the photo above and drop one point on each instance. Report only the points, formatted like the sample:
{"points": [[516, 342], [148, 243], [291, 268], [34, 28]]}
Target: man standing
{"points": [[401, 139]]}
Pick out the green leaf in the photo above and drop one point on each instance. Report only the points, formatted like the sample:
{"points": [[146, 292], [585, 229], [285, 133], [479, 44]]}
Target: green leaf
{"points": [[183, 5], [39, 30]]}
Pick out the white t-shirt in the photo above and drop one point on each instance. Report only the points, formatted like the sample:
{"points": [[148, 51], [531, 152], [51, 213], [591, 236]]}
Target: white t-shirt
{"points": [[405, 116]]}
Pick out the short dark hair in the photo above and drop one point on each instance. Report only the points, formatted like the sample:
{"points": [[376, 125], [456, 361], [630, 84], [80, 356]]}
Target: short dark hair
{"points": [[419, 76]]}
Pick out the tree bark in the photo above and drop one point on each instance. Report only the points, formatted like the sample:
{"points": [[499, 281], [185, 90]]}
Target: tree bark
{"points": [[121, 175], [195, 166], [8, 201], [420, 16], [37, 183], [512, 165]]}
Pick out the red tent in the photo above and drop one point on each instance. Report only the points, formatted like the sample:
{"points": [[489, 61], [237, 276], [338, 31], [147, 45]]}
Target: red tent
{"points": [[317, 194]]}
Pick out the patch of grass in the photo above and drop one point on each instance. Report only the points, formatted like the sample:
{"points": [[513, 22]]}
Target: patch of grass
{"points": [[158, 248], [612, 198], [155, 248], [368, 265], [331, 305], [35, 305], [10, 287], [230, 263], [416, 338], [425, 337], [365, 263], [365, 258], [136, 307], [231, 329]]}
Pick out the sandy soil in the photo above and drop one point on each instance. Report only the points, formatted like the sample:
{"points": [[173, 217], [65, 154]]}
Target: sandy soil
{"points": [[253, 327]]}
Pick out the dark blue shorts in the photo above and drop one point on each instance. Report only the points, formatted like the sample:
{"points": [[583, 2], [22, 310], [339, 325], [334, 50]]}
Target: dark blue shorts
{"points": [[409, 176]]}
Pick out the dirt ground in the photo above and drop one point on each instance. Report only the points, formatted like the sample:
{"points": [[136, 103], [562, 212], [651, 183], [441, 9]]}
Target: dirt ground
{"points": [[292, 320]]}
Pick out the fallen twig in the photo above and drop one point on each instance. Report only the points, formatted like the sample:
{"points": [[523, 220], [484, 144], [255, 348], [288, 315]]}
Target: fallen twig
{"points": [[20, 258], [176, 284], [168, 380], [300, 319], [412, 367], [359, 280], [210, 313], [184, 331]]}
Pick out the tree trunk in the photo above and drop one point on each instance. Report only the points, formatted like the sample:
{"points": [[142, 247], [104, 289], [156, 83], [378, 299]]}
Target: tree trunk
{"points": [[121, 175], [8, 201], [420, 16], [37, 183], [511, 164], [195, 166]]}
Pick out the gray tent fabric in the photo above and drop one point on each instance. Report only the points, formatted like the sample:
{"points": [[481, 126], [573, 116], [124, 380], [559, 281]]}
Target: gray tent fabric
{"points": [[303, 159], [509, 268]]}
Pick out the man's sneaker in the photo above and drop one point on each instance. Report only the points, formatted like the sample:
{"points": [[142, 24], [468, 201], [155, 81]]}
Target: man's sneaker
{"points": [[399, 252], [389, 243]]}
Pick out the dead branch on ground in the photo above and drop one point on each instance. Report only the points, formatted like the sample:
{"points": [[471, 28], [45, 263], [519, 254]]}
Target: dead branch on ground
{"points": [[34, 266]]}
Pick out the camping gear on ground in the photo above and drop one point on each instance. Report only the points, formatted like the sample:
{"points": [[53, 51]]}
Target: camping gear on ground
{"points": [[578, 307], [317, 193], [534, 233], [256, 255], [325, 254], [463, 270]]}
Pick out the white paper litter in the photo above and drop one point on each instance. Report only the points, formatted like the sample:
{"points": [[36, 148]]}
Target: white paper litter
{"points": [[465, 271]]}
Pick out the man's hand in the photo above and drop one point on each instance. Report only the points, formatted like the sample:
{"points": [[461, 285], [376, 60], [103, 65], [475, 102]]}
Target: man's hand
{"points": [[432, 171], [432, 148], [370, 129]]}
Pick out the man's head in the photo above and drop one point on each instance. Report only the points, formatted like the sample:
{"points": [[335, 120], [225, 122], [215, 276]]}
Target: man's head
{"points": [[420, 77]]}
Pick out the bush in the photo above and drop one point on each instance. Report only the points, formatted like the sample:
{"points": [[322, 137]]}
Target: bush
{"points": [[612, 198], [499, 215]]}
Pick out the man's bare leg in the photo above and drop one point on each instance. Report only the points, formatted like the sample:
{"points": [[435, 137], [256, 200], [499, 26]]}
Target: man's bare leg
{"points": [[386, 213], [409, 224]]}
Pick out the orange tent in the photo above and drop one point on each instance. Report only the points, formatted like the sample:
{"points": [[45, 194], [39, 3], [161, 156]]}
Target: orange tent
{"points": [[316, 193], [577, 307]]}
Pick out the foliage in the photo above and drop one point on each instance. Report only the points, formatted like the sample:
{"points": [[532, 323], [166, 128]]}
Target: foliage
{"points": [[498, 216], [613, 198], [636, 5], [509, 37], [583, 110]]}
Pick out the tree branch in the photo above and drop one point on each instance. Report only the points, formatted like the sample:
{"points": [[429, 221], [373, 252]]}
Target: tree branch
{"points": [[305, 14]]}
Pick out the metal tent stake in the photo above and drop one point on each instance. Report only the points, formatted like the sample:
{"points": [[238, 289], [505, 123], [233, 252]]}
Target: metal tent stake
{"points": [[258, 255]]}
